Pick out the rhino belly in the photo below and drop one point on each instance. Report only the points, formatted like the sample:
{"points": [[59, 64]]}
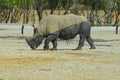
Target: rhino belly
{"points": [[69, 32]]}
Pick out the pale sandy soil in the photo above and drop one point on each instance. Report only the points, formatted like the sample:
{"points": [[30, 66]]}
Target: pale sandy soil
{"points": [[19, 62]]}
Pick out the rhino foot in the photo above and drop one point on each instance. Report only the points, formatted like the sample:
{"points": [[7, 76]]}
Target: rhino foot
{"points": [[78, 48], [54, 49], [93, 47]]}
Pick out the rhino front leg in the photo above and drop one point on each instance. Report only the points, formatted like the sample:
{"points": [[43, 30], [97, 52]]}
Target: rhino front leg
{"points": [[51, 38], [54, 44]]}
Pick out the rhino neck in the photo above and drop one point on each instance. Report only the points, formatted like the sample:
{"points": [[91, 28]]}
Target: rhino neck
{"points": [[34, 42]]}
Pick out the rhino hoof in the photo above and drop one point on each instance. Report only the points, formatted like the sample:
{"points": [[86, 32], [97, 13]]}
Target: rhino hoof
{"points": [[93, 48], [54, 49], [78, 48]]}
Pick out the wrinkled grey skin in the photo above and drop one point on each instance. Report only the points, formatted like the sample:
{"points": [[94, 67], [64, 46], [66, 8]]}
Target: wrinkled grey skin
{"points": [[83, 30]]}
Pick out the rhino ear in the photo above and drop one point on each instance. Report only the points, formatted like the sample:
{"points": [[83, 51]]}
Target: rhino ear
{"points": [[34, 26], [35, 29]]}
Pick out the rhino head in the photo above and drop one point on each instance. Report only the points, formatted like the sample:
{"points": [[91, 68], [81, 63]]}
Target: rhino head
{"points": [[34, 42]]}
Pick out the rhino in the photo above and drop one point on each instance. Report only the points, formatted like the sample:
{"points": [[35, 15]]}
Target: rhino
{"points": [[64, 27]]}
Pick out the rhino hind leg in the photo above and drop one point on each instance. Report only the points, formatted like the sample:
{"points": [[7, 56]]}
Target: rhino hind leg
{"points": [[85, 34], [51, 38], [90, 41]]}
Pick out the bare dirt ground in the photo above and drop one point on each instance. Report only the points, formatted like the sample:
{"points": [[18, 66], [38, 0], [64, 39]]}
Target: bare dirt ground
{"points": [[19, 62]]}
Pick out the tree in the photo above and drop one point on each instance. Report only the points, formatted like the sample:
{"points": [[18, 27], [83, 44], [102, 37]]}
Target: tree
{"points": [[117, 12], [52, 5], [4, 12]]}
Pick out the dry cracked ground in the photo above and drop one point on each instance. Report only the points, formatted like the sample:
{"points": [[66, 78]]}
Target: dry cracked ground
{"points": [[19, 62]]}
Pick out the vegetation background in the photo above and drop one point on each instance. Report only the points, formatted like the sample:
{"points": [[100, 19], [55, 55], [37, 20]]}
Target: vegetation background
{"points": [[99, 12]]}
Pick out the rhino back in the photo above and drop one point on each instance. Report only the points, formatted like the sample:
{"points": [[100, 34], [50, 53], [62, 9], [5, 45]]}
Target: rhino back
{"points": [[53, 23]]}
